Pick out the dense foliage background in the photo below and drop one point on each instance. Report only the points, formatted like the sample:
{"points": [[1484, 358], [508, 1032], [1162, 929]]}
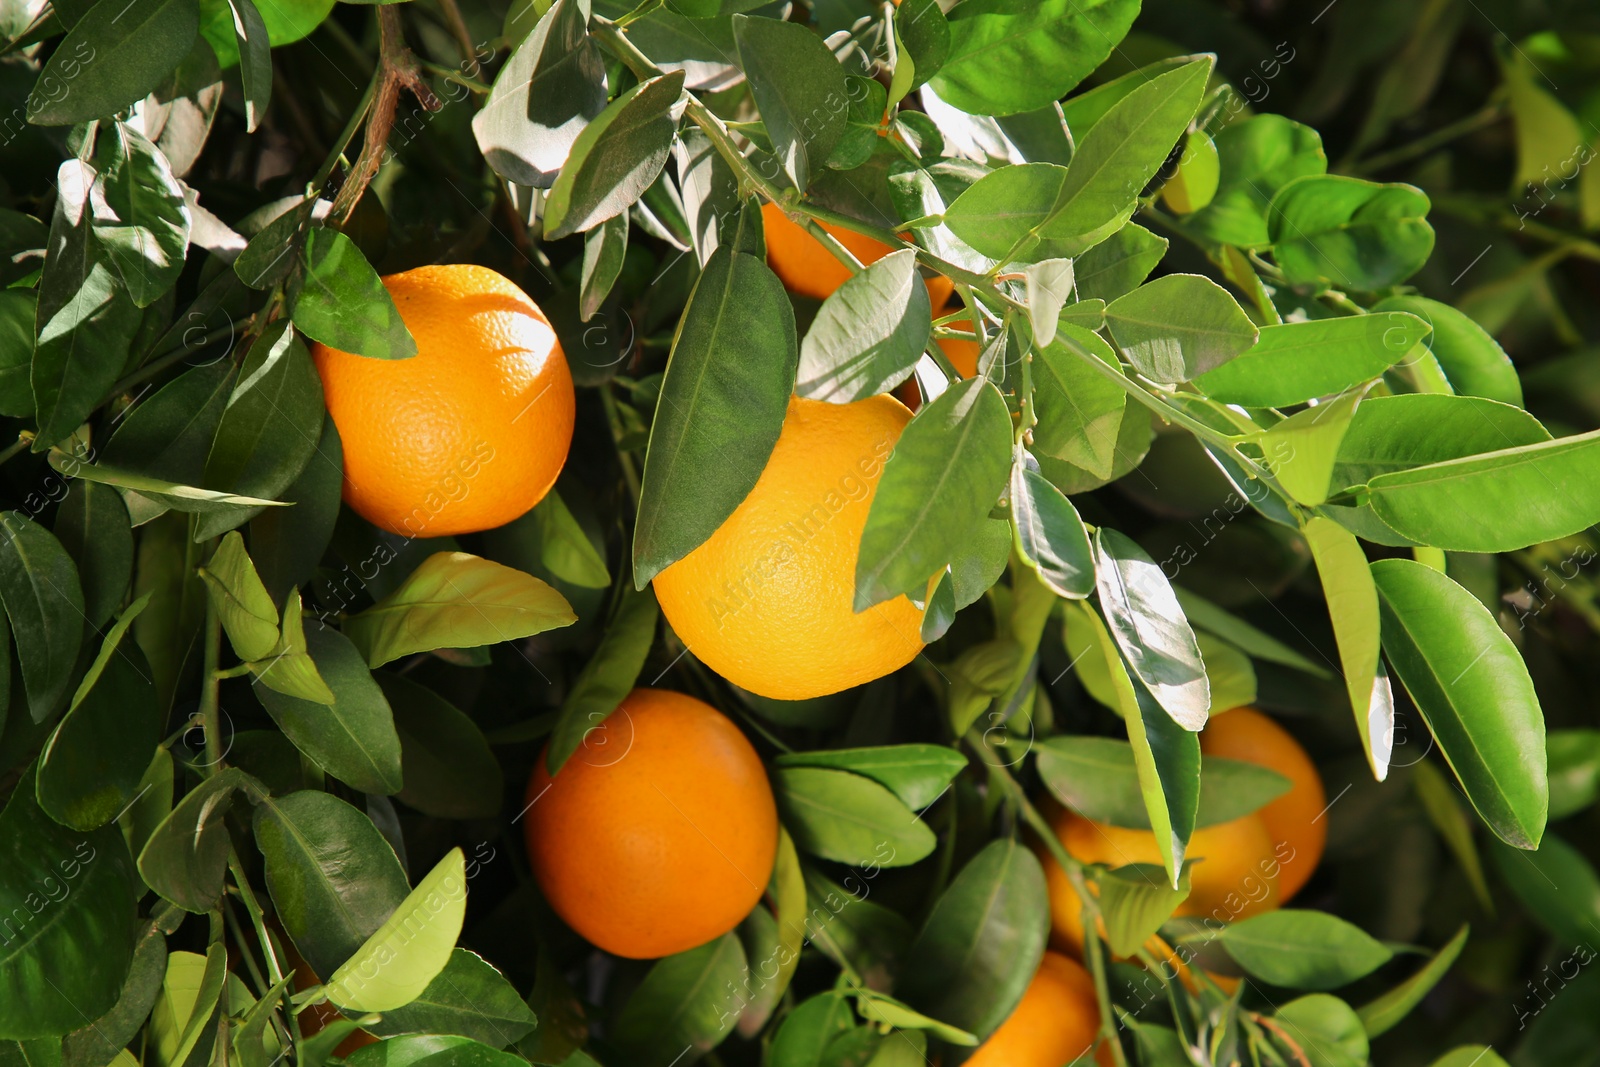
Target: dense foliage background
{"points": [[155, 259]]}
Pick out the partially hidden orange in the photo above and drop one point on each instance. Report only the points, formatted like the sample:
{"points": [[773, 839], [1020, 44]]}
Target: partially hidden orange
{"points": [[807, 268], [1299, 833], [1055, 1022], [768, 600], [470, 432], [659, 832]]}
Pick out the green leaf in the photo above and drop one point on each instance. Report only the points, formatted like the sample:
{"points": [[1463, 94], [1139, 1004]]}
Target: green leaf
{"points": [[1352, 599], [1178, 327], [1204, 615], [1498, 501], [1393, 433], [607, 677], [141, 220], [775, 939], [1119, 264], [168, 434], [616, 157], [564, 546], [1049, 534], [448, 769], [1299, 361], [916, 773], [1057, 42], [880, 1008], [922, 35], [353, 738], [550, 88], [1470, 357], [1301, 450], [999, 214], [723, 401], [1257, 157], [1135, 899], [1079, 409], [604, 249], [39, 587], [945, 474], [288, 543], [682, 1005], [115, 55], [982, 941], [93, 527], [456, 600], [18, 308], [1098, 778], [469, 998], [342, 302], [1303, 949], [240, 600], [1148, 624], [1558, 887], [802, 1039], [1048, 286], [1438, 799], [332, 876], [269, 257], [1330, 229], [798, 87], [1474, 692], [1380, 1015], [67, 963], [868, 334], [394, 965], [1328, 1026], [849, 818], [187, 856], [94, 761], [1574, 757], [101, 1041], [290, 669], [85, 320], [1228, 671], [255, 60], [1471, 1056], [164, 494], [188, 1003]]}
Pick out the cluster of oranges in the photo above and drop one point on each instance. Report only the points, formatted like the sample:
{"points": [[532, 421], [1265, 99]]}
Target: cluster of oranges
{"points": [[660, 832]]}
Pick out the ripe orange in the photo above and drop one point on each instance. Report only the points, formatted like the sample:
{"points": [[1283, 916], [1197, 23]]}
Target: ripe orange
{"points": [[767, 600], [963, 355], [1056, 1020], [1238, 878], [470, 432], [1294, 820], [809, 269], [660, 831]]}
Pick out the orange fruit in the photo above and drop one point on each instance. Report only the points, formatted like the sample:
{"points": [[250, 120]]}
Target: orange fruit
{"points": [[809, 269], [963, 355], [659, 832], [1054, 1023], [1294, 819], [767, 600], [470, 432], [1238, 878]]}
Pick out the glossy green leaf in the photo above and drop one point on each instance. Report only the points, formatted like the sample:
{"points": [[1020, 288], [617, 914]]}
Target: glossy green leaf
{"points": [[1498, 501], [1329, 1026], [1299, 361], [848, 817], [394, 965], [1148, 624], [564, 546], [71, 897], [240, 600], [456, 600], [682, 1007], [1470, 357], [868, 334], [916, 773], [553, 84], [141, 220], [1471, 1056], [774, 939], [332, 876], [288, 543], [946, 472], [1473, 690], [187, 855], [448, 769], [101, 1041], [1119, 264], [44, 602], [1352, 598], [1135, 899], [289, 668], [93, 527], [168, 434], [1048, 286], [1178, 327], [18, 308], [1204, 615], [85, 321], [1228, 671], [1394, 433], [114, 56], [616, 157], [165, 494], [798, 87], [604, 248], [353, 738], [1056, 41], [1301, 949], [255, 60], [1558, 887], [608, 676], [469, 998], [982, 941], [1079, 409], [1380, 1015], [341, 302], [923, 36], [1302, 449], [1348, 232], [723, 401], [1257, 156], [1049, 534], [998, 214]]}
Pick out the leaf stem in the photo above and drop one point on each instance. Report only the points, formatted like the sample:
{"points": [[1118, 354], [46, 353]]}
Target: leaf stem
{"points": [[211, 685], [1487, 115]]}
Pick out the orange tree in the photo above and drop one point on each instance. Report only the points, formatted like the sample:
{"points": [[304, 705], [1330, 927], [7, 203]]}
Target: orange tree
{"points": [[797, 533]]}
